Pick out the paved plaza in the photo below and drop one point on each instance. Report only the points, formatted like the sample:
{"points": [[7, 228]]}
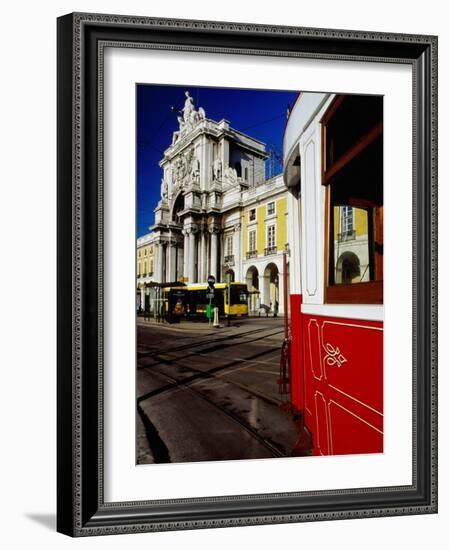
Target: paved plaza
{"points": [[207, 393]]}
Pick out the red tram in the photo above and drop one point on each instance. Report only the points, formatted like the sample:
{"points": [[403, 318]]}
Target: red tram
{"points": [[333, 168]]}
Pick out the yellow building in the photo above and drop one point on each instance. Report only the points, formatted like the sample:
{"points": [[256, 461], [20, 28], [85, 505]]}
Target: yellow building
{"points": [[145, 267], [265, 241]]}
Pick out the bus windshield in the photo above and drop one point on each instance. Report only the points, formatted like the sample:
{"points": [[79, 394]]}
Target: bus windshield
{"points": [[239, 294]]}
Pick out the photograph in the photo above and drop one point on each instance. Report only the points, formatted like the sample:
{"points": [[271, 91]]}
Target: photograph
{"points": [[259, 273], [246, 334]]}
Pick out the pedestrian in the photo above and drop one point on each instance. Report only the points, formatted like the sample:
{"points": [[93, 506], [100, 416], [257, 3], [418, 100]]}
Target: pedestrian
{"points": [[276, 308]]}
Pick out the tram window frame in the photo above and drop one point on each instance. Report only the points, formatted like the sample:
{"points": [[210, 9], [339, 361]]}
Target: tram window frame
{"points": [[334, 173]]}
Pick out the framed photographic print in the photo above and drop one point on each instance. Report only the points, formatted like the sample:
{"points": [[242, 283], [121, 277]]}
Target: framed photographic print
{"points": [[246, 274]]}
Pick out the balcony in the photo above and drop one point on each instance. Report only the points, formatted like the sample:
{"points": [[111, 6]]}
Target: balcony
{"points": [[251, 254], [229, 260], [346, 236], [271, 250]]}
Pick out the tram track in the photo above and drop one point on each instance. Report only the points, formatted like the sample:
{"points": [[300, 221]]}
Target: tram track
{"points": [[205, 341], [201, 374], [273, 448], [213, 347]]}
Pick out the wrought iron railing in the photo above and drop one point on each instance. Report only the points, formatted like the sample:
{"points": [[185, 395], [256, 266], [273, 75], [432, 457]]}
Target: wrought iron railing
{"points": [[251, 254], [271, 250], [229, 260]]}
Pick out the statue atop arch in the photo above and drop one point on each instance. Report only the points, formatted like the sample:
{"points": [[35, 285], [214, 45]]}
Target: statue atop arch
{"points": [[189, 119], [189, 108]]}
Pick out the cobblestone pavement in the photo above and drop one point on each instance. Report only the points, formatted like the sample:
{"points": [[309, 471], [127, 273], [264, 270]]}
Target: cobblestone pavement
{"points": [[207, 393]]}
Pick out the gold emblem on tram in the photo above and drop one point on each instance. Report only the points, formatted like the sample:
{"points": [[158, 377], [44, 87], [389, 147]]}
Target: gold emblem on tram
{"points": [[334, 357]]}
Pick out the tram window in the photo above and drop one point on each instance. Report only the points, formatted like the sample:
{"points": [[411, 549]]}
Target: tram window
{"points": [[351, 245], [353, 175]]}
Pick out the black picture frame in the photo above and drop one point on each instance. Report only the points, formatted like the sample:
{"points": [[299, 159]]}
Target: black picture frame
{"points": [[81, 510]]}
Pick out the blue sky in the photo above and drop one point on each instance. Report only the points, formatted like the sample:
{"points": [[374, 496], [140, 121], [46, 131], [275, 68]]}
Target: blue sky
{"points": [[259, 113]]}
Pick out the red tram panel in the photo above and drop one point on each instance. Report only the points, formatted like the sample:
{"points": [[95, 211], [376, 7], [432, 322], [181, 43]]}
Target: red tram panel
{"points": [[337, 381]]}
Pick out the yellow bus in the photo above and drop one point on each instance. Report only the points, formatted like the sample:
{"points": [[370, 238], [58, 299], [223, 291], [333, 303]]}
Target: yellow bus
{"points": [[192, 300]]}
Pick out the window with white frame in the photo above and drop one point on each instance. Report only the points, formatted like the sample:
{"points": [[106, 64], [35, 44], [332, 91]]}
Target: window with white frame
{"points": [[347, 220], [151, 266], [252, 241], [271, 208], [252, 215], [271, 236]]}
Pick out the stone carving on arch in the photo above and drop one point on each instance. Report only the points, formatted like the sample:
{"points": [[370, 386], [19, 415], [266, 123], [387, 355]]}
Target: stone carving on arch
{"points": [[185, 169]]}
